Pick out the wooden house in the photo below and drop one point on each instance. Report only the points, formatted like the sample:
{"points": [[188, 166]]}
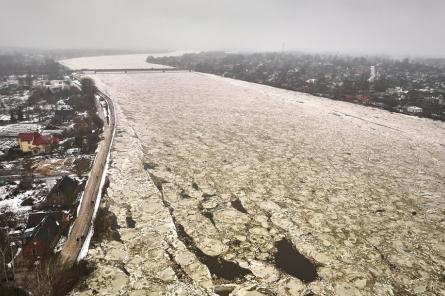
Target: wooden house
{"points": [[64, 193], [42, 241]]}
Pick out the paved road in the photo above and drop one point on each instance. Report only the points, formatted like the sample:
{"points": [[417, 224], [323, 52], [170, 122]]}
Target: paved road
{"points": [[82, 223]]}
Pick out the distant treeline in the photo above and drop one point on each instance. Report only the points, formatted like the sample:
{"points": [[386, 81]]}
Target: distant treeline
{"points": [[60, 54], [20, 64]]}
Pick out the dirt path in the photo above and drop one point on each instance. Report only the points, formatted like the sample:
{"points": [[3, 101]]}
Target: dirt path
{"points": [[81, 226]]}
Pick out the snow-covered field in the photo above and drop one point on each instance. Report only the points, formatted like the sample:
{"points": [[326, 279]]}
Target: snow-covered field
{"points": [[6, 143], [14, 204], [12, 101], [12, 130], [214, 170]]}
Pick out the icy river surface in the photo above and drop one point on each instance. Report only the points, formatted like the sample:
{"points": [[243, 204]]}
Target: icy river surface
{"points": [[223, 187]]}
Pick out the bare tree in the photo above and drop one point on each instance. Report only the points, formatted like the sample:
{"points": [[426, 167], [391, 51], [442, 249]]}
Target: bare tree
{"points": [[4, 250], [81, 165]]}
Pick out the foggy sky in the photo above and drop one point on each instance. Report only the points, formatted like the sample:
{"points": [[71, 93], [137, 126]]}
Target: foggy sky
{"points": [[400, 27]]}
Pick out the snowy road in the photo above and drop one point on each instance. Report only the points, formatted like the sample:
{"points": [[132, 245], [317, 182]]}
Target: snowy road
{"points": [[224, 179], [82, 225]]}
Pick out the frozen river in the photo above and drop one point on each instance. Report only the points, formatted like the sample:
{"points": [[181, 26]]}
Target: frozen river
{"points": [[128, 61], [239, 187]]}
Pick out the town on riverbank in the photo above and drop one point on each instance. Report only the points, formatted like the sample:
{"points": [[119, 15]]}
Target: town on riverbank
{"points": [[207, 224], [51, 125], [414, 87]]}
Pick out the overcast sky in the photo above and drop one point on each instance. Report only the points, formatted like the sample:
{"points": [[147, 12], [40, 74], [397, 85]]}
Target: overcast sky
{"points": [[401, 27]]}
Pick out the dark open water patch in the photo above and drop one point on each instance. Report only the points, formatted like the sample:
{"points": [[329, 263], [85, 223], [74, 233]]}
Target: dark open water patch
{"points": [[223, 290], [207, 213], [217, 265], [121, 266], [150, 166], [157, 181], [238, 206], [183, 194], [130, 222], [289, 260], [207, 196]]}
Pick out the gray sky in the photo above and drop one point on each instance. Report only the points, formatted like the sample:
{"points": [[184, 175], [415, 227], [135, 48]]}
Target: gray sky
{"points": [[401, 27]]}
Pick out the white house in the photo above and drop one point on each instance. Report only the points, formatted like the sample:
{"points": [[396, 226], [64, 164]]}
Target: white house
{"points": [[414, 109]]}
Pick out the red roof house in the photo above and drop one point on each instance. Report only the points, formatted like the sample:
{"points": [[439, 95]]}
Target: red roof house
{"points": [[36, 143]]}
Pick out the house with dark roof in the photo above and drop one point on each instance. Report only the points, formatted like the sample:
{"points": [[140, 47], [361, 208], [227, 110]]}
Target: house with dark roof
{"points": [[43, 239], [64, 193], [36, 143], [64, 114], [62, 217]]}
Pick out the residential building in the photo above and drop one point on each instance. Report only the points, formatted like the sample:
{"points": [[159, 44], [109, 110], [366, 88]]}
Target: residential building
{"points": [[64, 193], [414, 109], [62, 218], [43, 239], [36, 143]]}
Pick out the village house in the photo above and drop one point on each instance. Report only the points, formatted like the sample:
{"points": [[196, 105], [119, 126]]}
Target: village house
{"points": [[64, 193], [435, 100], [36, 143], [414, 109], [43, 238], [62, 218], [21, 237], [64, 114]]}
